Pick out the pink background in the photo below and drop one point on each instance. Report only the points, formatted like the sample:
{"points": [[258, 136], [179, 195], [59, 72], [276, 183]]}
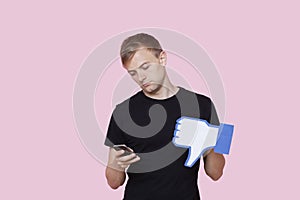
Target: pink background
{"points": [[255, 45]]}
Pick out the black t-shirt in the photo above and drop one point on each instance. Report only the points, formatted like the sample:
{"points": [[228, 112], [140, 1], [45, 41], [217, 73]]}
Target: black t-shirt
{"points": [[147, 125]]}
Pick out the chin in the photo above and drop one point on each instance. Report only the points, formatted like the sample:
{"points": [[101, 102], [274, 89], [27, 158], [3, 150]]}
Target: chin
{"points": [[151, 89], [148, 89]]}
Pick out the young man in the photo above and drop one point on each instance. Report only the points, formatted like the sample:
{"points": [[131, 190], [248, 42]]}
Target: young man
{"points": [[134, 123]]}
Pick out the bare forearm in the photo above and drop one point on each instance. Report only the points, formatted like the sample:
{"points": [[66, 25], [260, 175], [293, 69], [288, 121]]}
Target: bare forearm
{"points": [[214, 164], [115, 178]]}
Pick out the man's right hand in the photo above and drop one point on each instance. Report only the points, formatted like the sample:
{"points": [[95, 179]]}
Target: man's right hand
{"points": [[117, 163], [120, 161]]}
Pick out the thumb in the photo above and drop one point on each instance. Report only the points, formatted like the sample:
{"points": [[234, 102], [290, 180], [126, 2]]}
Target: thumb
{"points": [[192, 157]]}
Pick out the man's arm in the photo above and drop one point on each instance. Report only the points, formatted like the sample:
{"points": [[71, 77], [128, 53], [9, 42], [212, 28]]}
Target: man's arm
{"points": [[115, 170], [214, 164]]}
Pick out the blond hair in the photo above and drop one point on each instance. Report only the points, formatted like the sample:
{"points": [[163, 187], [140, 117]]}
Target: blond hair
{"points": [[136, 42]]}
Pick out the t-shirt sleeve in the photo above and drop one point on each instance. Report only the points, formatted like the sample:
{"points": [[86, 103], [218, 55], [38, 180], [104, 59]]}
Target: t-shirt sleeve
{"points": [[214, 119], [114, 134]]}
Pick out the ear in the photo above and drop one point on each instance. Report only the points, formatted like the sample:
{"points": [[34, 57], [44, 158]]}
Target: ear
{"points": [[163, 58]]}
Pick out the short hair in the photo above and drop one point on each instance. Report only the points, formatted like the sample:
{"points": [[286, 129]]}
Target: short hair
{"points": [[136, 42]]}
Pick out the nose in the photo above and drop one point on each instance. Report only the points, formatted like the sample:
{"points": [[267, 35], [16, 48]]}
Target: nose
{"points": [[141, 76]]}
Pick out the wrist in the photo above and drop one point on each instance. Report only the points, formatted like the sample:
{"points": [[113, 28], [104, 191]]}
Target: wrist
{"points": [[116, 166]]}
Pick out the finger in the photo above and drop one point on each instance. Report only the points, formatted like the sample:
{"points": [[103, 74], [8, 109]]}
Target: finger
{"points": [[130, 149], [136, 159], [179, 120], [126, 158], [119, 153], [178, 127]]}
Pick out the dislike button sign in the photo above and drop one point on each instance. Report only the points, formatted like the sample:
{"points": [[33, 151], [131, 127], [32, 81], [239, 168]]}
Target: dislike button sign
{"points": [[199, 136]]}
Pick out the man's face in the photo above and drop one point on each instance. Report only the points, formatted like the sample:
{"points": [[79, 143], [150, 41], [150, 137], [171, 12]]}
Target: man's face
{"points": [[147, 70]]}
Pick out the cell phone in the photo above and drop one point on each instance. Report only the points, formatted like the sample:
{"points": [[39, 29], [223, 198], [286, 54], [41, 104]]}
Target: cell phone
{"points": [[119, 147]]}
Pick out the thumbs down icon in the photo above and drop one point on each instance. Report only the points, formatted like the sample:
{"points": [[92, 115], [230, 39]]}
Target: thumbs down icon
{"points": [[199, 136]]}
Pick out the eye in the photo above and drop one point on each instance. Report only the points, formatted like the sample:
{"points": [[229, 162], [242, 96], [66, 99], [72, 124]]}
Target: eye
{"points": [[132, 73], [145, 67]]}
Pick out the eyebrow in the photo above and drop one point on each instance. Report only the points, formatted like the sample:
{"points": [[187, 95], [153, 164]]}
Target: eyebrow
{"points": [[146, 62]]}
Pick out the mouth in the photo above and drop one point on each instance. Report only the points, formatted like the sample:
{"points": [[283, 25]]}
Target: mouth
{"points": [[146, 84]]}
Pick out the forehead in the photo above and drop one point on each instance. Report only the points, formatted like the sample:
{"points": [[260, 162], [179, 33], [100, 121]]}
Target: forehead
{"points": [[139, 58]]}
